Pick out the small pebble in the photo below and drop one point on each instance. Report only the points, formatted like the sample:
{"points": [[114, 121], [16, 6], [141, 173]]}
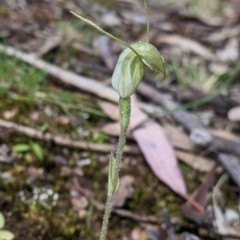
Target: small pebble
{"points": [[234, 114]]}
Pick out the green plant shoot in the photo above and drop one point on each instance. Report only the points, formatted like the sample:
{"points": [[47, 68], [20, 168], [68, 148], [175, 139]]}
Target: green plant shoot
{"points": [[127, 75], [4, 234]]}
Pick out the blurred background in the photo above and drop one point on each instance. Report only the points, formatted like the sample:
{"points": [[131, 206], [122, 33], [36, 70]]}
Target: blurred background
{"points": [[58, 121]]}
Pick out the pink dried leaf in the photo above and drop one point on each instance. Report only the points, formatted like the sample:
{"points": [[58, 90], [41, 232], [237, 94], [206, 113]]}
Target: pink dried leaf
{"points": [[155, 146]]}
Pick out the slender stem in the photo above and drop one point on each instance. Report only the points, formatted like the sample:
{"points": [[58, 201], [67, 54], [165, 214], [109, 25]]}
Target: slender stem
{"points": [[107, 213], [125, 113], [147, 18], [104, 32]]}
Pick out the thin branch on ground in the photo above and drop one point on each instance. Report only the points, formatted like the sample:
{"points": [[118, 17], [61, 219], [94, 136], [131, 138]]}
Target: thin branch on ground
{"points": [[49, 137]]}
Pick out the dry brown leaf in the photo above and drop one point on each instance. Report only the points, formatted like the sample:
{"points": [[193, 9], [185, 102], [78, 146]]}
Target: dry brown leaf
{"points": [[138, 234], [223, 34], [35, 173], [112, 129], [177, 137], [157, 150], [223, 227], [198, 163], [230, 52], [185, 44], [104, 48], [110, 19], [124, 191], [49, 44], [110, 109], [10, 113], [225, 134], [200, 196]]}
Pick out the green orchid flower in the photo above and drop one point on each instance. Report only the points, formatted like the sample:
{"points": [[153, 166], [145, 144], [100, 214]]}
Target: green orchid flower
{"points": [[130, 67], [127, 75]]}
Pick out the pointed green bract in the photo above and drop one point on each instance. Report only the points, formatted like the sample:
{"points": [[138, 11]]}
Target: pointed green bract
{"points": [[113, 181]]}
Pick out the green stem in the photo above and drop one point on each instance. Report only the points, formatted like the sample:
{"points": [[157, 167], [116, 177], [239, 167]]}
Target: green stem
{"points": [[147, 18], [125, 113], [107, 213]]}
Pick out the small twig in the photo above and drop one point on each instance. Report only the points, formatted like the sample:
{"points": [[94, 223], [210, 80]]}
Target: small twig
{"points": [[6, 132], [232, 166], [83, 83], [49, 137], [169, 227]]}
